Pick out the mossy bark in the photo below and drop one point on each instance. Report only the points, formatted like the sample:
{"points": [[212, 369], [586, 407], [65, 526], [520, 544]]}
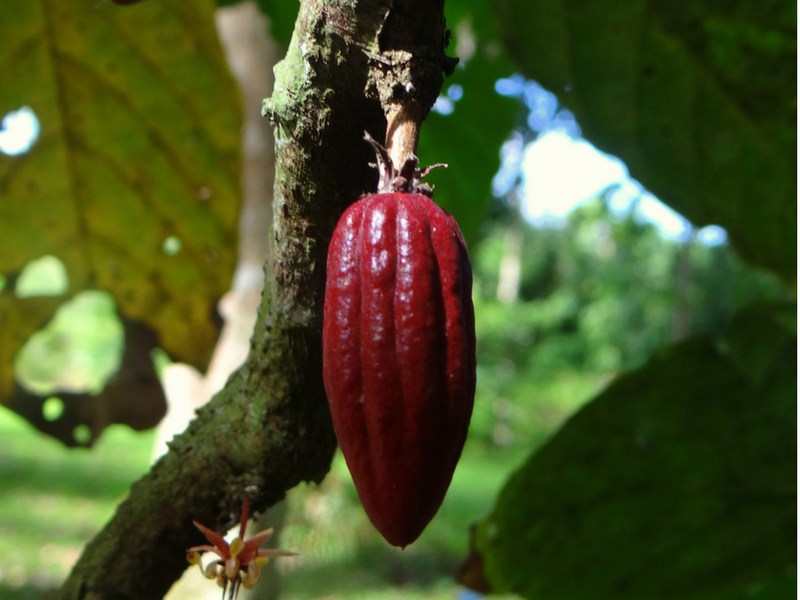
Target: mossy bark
{"points": [[348, 66]]}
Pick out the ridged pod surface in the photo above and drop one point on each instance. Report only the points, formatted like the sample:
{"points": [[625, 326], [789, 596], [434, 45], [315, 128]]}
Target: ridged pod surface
{"points": [[399, 355]]}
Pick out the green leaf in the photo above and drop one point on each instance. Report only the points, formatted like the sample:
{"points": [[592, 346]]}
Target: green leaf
{"points": [[133, 183], [678, 481], [697, 98], [469, 139]]}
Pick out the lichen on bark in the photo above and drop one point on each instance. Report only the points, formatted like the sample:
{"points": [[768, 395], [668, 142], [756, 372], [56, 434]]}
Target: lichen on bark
{"points": [[269, 428]]}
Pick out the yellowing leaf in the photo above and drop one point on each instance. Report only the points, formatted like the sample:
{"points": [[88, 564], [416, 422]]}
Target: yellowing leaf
{"points": [[133, 182]]}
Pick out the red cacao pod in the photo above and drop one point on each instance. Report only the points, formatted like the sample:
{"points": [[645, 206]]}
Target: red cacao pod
{"points": [[399, 355]]}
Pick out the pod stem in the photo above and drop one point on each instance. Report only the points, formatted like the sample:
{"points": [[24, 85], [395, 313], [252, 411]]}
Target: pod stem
{"points": [[403, 120], [406, 178]]}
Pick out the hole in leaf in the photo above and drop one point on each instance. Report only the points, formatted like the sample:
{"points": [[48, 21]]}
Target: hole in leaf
{"points": [[45, 276], [171, 245], [78, 350], [20, 130], [53, 408], [161, 360], [82, 434]]}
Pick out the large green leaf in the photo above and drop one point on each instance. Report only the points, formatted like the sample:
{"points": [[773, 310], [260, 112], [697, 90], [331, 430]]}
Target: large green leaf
{"points": [[133, 183], [698, 98], [678, 481]]}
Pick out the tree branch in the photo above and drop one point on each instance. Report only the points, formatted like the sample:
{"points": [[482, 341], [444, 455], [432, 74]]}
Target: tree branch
{"points": [[269, 428]]}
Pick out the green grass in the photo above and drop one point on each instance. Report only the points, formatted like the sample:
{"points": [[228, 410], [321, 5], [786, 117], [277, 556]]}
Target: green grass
{"points": [[54, 499], [342, 556]]}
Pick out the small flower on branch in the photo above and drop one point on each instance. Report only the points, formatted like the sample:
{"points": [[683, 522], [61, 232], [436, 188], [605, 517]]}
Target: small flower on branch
{"points": [[240, 561]]}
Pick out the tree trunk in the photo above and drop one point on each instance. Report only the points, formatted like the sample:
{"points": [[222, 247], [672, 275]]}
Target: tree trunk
{"points": [[269, 429]]}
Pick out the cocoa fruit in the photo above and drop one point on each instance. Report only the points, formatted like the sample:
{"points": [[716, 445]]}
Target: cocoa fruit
{"points": [[399, 354]]}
